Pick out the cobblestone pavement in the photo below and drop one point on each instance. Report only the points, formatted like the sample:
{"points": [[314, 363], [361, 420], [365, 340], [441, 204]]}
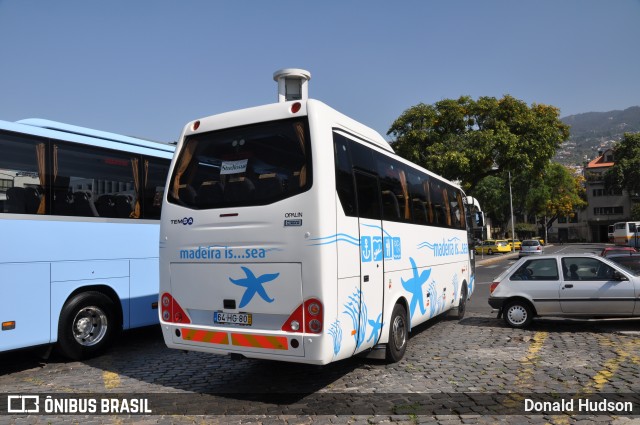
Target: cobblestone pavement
{"points": [[448, 363]]}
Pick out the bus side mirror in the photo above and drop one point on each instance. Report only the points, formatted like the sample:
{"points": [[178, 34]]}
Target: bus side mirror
{"points": [[479, 219]]}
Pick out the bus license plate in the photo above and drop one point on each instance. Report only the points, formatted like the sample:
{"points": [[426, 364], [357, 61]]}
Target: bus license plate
{"points": [[222, 318]]}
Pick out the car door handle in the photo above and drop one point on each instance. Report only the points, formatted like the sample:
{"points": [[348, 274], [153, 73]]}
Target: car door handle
{"points": [[568, 285]]}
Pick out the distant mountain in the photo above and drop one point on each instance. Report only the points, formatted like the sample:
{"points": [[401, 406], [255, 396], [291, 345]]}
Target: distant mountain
{"points": [[595, 131]]}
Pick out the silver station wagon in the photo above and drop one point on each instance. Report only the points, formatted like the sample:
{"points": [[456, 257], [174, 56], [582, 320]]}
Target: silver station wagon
{"points": [[565, 285]]}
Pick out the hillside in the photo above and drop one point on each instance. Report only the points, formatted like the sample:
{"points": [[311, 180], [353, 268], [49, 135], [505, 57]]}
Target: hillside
{"points": [[594, 131]]}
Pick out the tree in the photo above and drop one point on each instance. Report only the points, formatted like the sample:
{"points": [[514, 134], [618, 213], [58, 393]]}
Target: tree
{"points": [[625, 173], [552, 192], [558, 193], [469, 140]]}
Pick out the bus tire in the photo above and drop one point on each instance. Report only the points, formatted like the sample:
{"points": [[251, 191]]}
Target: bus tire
{"points": [[88, 324], [462, 304], [398, 334]]}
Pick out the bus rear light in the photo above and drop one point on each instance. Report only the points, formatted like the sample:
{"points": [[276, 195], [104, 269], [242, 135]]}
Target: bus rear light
{"points": [[196, 125], [293, 322], [312, 323], [296, 107], [7, 326], [171, 310], [493, 287], [314, 309], [315, 326]]}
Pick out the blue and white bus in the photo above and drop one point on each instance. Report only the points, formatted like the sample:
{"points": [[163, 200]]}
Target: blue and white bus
{"points": [[292, 232], [79, 223]]}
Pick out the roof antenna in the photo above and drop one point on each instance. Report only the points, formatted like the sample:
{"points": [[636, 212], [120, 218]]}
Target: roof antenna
{"points": [[293, 84]]}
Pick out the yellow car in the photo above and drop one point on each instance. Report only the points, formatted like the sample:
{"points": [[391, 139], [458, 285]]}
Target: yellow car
{"points": [[518, 244], [492, 246]]}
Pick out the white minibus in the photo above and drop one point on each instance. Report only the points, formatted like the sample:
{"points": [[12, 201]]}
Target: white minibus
{"points": [[292, 232]]}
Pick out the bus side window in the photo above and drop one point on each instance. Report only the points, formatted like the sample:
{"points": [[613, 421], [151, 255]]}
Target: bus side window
{"points": [[344, 177], [418, 199], [155, 177], [368, 195], [461, 210], [437, 203], [22, 175], [455, 209], [85, 174], [393, 186]]}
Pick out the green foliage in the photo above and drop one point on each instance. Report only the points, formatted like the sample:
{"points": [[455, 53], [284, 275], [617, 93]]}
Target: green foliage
{"points": [[625, 173], [480, 142], [556, 193], [490, 192], [525, 230], [468, 140], [635, 212]]}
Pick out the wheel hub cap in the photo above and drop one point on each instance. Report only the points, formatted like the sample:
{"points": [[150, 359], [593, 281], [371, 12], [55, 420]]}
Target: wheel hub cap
{"points": [[517, 314], [89, 326]]}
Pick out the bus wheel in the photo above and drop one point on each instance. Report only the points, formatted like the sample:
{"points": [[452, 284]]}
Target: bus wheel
{"points": [[462, 305], [398, 334], [88, 324]]}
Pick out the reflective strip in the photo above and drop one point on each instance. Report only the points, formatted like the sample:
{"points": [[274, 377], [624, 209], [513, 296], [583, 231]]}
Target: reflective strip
{"points": [[205, 336], [260, 341]]}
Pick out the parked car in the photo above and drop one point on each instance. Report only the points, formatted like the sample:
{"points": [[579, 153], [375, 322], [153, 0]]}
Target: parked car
{"points": [[531, 247], [516, 242], [539, 239], [629, 260], [575, 285], [491, 246], [615, 250]]}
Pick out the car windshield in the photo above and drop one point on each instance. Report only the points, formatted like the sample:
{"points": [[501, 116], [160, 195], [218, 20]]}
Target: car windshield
{"points": [[629, 262]]}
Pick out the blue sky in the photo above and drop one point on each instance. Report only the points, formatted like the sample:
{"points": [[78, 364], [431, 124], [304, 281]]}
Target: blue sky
{"points": [[144, 68]]}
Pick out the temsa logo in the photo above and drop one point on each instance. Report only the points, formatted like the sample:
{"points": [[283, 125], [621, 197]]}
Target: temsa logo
{"points": [[187, 221]]}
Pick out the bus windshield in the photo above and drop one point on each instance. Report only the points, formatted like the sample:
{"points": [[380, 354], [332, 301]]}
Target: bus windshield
{"points": [[243, 166]]}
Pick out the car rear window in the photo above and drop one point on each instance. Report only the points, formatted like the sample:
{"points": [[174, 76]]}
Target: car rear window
{"points": [[530, 243]]}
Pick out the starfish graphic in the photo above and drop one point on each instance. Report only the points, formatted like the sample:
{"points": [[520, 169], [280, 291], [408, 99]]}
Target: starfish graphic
{"points": [[414, 285], [254, 286], [376, 327]]}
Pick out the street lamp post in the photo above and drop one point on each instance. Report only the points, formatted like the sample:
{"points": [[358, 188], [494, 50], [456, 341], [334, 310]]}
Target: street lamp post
{"points": [[513, 235]]}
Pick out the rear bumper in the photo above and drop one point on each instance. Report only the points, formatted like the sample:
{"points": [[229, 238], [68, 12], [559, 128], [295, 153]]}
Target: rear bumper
{"points": [[283, 346], [528, 253], [496, 303]]}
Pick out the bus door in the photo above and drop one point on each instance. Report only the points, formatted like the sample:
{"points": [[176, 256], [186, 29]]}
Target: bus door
{"points": [[371, 260]]}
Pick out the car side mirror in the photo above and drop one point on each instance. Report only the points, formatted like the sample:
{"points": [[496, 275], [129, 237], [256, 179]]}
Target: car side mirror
{"points": [[618, 276]]}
